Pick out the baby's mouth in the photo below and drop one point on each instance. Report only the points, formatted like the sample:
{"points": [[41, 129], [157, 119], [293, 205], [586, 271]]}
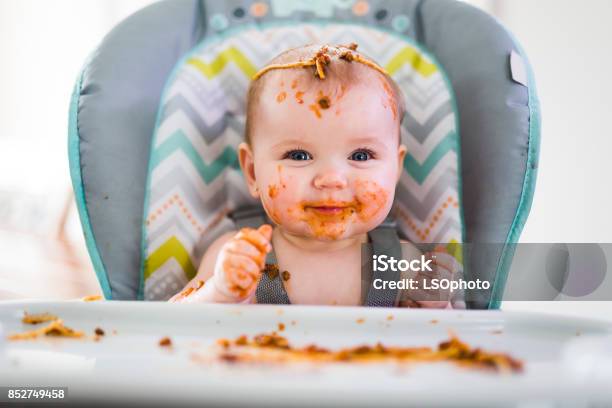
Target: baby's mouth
{"points": [[331, 209]]}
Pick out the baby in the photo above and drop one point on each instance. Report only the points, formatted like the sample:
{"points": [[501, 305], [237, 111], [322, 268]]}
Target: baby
{"points": [[323, 153]]}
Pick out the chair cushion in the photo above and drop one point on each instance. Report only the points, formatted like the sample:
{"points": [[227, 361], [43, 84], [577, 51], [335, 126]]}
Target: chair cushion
{"points": [[194, 178]]}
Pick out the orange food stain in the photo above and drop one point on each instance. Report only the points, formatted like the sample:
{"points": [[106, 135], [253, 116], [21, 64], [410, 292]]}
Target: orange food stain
{"points": [[299, 97], [272, 190], [342, 92], [316, 110], [259, 9], [281, 97], [294, 84], [324, 103], [323, 100], [323, 225], [279, 169], [361, 8], [371, 199], [390, 97]]}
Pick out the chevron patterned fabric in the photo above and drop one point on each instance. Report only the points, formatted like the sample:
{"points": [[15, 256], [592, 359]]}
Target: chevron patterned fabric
{"points": [[195, 179]]}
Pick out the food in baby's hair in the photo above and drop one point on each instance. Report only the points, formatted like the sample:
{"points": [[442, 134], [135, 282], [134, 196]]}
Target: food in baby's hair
{"points": [[276, 348]]}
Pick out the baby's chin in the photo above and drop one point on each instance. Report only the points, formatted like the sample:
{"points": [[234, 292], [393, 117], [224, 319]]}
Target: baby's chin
{"points": [[326, 233]]}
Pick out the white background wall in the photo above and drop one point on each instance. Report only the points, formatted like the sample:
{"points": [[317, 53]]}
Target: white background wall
{"points": [[43, 44], [569, 43]]}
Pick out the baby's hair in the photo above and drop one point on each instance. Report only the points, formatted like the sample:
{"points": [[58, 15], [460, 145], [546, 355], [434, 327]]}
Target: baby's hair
{"points": [[330, 66]]}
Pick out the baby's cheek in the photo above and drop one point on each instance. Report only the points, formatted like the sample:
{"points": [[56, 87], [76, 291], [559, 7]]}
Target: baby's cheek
{"points": [[373, 200], [279, 198]]}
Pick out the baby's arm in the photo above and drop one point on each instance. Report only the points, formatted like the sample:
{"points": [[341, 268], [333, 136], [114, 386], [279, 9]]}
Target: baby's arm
{"points": [[444, 267], [230, 269]]}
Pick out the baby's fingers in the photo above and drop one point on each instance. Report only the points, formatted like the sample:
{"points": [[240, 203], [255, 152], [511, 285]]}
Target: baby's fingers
{"points": [[260, 238], [266, 231], [447, 261], [234, 264], [241, 247]]}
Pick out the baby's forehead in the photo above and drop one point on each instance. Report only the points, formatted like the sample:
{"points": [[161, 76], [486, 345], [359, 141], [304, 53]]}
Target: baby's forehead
{"points": [[295, 84], [290, 107]]}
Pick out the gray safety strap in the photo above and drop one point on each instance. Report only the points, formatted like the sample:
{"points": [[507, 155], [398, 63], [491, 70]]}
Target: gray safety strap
{"points": [[252, 217], [384, 240], [271, 290]]}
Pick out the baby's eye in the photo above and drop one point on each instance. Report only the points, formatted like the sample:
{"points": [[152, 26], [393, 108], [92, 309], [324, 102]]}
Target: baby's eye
{"points": [[362, 155], [297, 155]]}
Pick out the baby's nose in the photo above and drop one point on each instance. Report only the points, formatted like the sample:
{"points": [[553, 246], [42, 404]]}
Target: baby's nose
{"points": [[330, 180]]}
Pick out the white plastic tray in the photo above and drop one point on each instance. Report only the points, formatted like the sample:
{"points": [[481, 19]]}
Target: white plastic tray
{"points": [[567, 360]]}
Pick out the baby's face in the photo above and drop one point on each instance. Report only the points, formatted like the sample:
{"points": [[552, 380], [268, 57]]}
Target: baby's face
{"points": [[324, 163]]}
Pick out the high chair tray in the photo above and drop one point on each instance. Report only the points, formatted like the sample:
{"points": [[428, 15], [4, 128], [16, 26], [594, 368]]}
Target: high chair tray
{"points": [[566, 359]]}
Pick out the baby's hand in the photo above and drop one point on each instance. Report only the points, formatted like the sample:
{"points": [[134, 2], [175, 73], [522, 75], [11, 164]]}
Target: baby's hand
{"points": [[444, 267], [240, 262]]}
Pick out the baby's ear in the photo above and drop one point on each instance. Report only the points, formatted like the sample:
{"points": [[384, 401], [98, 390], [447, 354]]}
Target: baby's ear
{"points": [[401, 155], [247, 164]]}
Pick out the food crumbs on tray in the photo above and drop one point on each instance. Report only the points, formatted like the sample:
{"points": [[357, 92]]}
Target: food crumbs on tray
{"points": [[497, 331], [225, 343], [279, 312], [390, 317], [92, 298], [229, 358], [293, 322], [275, 348], [99, 332], [114, 331], [360, 320], [56, 328], [286, 276], [281, 326], [434, 321], [37, 318], [165, 342]]}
